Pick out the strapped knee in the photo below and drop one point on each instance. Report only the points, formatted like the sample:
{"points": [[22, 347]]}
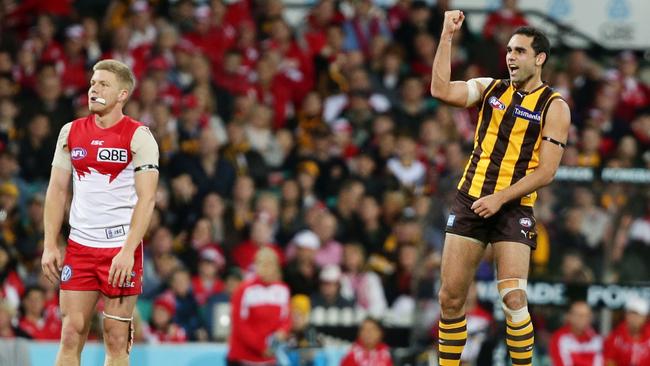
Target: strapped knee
{"points": [[131, 334], [505, 287]]}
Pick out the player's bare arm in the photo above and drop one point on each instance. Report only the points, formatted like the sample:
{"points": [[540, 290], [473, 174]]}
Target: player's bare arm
{"points": [[145, 188], [456, 93], [554, 137], [55, 199]]}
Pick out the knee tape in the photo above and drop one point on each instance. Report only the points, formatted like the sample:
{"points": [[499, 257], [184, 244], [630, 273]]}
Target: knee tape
{"points": [[505, 287], [130, 337]]}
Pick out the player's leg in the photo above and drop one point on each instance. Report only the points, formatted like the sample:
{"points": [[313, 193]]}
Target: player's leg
{"points": [[513, 260], [118, 328], [77, 310], [460, 258]]}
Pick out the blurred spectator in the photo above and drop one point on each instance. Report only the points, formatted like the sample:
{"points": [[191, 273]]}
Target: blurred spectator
{"points": [[7, 313], [12, 287], [366, 23], [369, 350], [389, 73], [187, 309], [48, 99], [36, 149], [291, 211], [91, 39], [574, 270], [239, 213], [413, 107], [207, 282], [307, 173], [246, 160], [401, 283], [418, 20], [72, 66], [30, 232], [323, 14], [331, 250], [631, 244], [161, 328], [260, 312], [211, 33], [372, 232], [209, 171], [200, 239], [634, 93], [144, 31], [360, 284], [303, 339], [629, 343], [213, 211], [37, 321], [260, 136], [577, 343], [301, 273], [261, 236], [404, 166], [273, 89], [157, 250], [329, 295], [501, 23], [347, 205]]}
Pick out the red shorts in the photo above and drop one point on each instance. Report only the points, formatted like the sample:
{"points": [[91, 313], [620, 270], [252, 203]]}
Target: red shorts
{"points": [[86, 269]]}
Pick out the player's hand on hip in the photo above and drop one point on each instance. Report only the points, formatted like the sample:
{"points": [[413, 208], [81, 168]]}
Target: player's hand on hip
{"points": [[488, 205], [121, 268], [51, 263], [453, 21]]}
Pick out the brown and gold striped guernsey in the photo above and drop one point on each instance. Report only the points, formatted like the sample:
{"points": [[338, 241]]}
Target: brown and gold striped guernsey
{"points": [[507, 139]]}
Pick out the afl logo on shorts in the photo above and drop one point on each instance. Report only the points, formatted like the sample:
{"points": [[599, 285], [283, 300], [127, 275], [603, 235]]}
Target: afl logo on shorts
{"points": [[78, 153], [66, 273], [525, 222], [496, 103]]}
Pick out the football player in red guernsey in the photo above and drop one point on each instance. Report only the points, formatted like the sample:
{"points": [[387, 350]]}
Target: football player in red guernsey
{"points": [[112, 161]]}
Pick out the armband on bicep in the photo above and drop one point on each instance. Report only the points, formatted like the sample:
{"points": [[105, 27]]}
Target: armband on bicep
{"points": [[146, 167], [554, 141]]}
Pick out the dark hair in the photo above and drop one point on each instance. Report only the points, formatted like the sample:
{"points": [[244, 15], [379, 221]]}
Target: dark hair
{"points": [[540, 41]]}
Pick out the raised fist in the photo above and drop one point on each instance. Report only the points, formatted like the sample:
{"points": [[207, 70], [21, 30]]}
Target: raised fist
{"points": [[453, 21]]}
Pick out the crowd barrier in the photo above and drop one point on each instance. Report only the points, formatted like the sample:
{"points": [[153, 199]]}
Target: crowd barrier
{"points": [[22, 352]]}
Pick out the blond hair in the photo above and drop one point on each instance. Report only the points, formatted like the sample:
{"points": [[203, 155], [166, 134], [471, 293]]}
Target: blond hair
{"points": [[122, 72]]}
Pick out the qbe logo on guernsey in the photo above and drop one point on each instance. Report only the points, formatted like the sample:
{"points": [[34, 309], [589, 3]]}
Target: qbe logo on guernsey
{"points": [[112, 155]]}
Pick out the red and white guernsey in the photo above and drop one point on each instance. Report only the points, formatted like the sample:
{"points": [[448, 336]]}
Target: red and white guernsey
{"points": [[103, 175]]}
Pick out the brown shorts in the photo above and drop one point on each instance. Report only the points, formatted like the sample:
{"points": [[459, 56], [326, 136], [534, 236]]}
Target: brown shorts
{"points": [[513, 222]]}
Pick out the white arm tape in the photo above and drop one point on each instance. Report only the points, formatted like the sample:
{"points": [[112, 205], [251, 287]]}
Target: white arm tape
{"points": [[475, 89]]}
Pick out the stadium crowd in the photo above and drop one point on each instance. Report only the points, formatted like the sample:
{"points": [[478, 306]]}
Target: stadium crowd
{"points": [[318, 140]]}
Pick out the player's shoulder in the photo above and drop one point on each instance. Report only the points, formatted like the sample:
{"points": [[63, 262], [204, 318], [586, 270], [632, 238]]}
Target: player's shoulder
{"points": [[79, 120], [134, 122], [556, 102]]}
